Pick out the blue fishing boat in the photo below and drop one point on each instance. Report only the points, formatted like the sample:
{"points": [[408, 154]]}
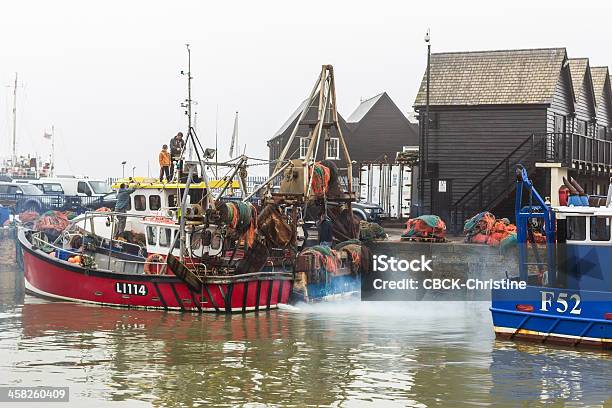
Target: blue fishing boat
{"points": [[567, 295]]}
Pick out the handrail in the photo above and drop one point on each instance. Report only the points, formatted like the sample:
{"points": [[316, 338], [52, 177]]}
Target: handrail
{"points": [[80, 253], [530, 138], [54, 246]]}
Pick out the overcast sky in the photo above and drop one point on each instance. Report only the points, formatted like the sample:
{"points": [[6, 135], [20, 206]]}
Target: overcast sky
{"points": [[106, 73]]}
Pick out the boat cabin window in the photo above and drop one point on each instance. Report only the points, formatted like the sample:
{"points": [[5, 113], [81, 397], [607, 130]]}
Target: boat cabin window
{"points": [[154, 202], [165, 237], [576, 228], [172, 200], [195, 196], [140, 203], [600, 229], [152, 235]]}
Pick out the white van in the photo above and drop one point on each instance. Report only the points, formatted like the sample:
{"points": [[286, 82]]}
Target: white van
{"points": [[80, 186]]}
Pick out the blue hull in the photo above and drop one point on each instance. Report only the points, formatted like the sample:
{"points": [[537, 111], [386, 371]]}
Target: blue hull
{"points": [[338, 287], [551, 315]]}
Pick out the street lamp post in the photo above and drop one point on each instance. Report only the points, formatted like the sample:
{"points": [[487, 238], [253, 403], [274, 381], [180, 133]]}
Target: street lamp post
{"points": [[424, 133], [123, 169], [426, 144]]}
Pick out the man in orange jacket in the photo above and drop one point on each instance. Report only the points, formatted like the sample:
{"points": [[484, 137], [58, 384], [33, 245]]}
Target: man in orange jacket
{"points": [[164, 164]]}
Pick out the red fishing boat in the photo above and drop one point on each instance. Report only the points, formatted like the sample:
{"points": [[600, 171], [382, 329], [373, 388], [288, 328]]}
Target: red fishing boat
{"points": [[184, 245], [47, 275]]}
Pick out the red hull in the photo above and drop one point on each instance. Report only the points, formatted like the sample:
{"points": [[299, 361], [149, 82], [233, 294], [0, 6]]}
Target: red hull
{"points": [[53, 278]]}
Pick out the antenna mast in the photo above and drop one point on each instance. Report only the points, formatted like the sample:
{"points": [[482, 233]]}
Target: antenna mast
{"points": [[14, 158], [189, 78]]}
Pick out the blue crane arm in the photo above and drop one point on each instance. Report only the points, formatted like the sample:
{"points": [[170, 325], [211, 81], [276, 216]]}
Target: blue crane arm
{"points": [[541, 210]]}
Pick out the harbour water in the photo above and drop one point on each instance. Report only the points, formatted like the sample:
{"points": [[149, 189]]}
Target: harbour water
{"points": [[390, 354]]}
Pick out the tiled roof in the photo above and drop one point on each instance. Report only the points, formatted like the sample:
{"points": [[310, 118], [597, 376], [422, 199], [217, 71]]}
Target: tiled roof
{"points": [[578, 68], [292, 118], [493, 77], [599, 75], [363, 108]]}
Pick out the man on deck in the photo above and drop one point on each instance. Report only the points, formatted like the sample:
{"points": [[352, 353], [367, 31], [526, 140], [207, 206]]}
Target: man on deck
{"points": [[123, 203], [177, 144], [326, 234], [164, 164]]}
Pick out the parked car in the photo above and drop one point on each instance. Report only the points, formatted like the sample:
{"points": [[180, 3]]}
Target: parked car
{"points": [[364, 211], [50, 188], [80, 186], [109, 201], [369, 212], [24, 197]]}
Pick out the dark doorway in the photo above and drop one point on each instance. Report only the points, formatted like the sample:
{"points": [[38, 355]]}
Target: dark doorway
{"points": [[441, 198]]}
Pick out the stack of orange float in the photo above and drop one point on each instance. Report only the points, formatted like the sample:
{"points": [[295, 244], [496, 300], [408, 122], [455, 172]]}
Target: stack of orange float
{"points": [[484, 228]]}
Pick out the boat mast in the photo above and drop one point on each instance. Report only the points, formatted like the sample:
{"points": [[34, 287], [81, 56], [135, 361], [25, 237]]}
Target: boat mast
{"points": [[216, 143], [52, 151], [189, 138], [234, 143], [14, 158], [188, 91]]}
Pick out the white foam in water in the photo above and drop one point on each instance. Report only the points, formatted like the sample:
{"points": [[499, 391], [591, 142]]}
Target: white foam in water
{"points": [[420, 309], [289, 308]]}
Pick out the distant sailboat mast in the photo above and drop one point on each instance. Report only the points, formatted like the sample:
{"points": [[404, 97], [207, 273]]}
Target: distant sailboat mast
{"points": [[234, 138]]}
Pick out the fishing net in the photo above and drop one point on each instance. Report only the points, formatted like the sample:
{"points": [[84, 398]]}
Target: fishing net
{"points": [[327, 257], [369, 231], [52, 222], [273, 227], [334, 178], [28, 216], [425, 226], [242, 218], [358, 254], [484, 228], [319, 183]]}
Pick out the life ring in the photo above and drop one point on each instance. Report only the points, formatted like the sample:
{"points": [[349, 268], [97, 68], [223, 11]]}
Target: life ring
{"points": [[151, 266], [160, 219]]}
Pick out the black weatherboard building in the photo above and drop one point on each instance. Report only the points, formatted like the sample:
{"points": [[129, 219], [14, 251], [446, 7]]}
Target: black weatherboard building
{"points": [[379, 129], [376, 131], [492, 110]]}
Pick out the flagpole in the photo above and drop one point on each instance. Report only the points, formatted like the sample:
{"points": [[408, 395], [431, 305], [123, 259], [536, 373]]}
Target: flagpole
{"points": [[52, 150]]}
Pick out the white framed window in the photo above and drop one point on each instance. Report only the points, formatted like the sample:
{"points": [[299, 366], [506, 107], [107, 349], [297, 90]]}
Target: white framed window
{"points": [[304, 143], [333, 148]]}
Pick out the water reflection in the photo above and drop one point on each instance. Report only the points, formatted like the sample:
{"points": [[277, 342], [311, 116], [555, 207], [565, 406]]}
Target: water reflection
{"points": [[529, 372], [352, 354]]}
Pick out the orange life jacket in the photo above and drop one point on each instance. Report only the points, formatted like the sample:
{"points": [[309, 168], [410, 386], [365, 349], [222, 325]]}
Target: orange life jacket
{"points": [[164, 158]]}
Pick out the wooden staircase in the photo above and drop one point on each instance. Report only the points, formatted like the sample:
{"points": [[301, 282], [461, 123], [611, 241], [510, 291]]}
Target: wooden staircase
{"points": [[499, 183]]}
